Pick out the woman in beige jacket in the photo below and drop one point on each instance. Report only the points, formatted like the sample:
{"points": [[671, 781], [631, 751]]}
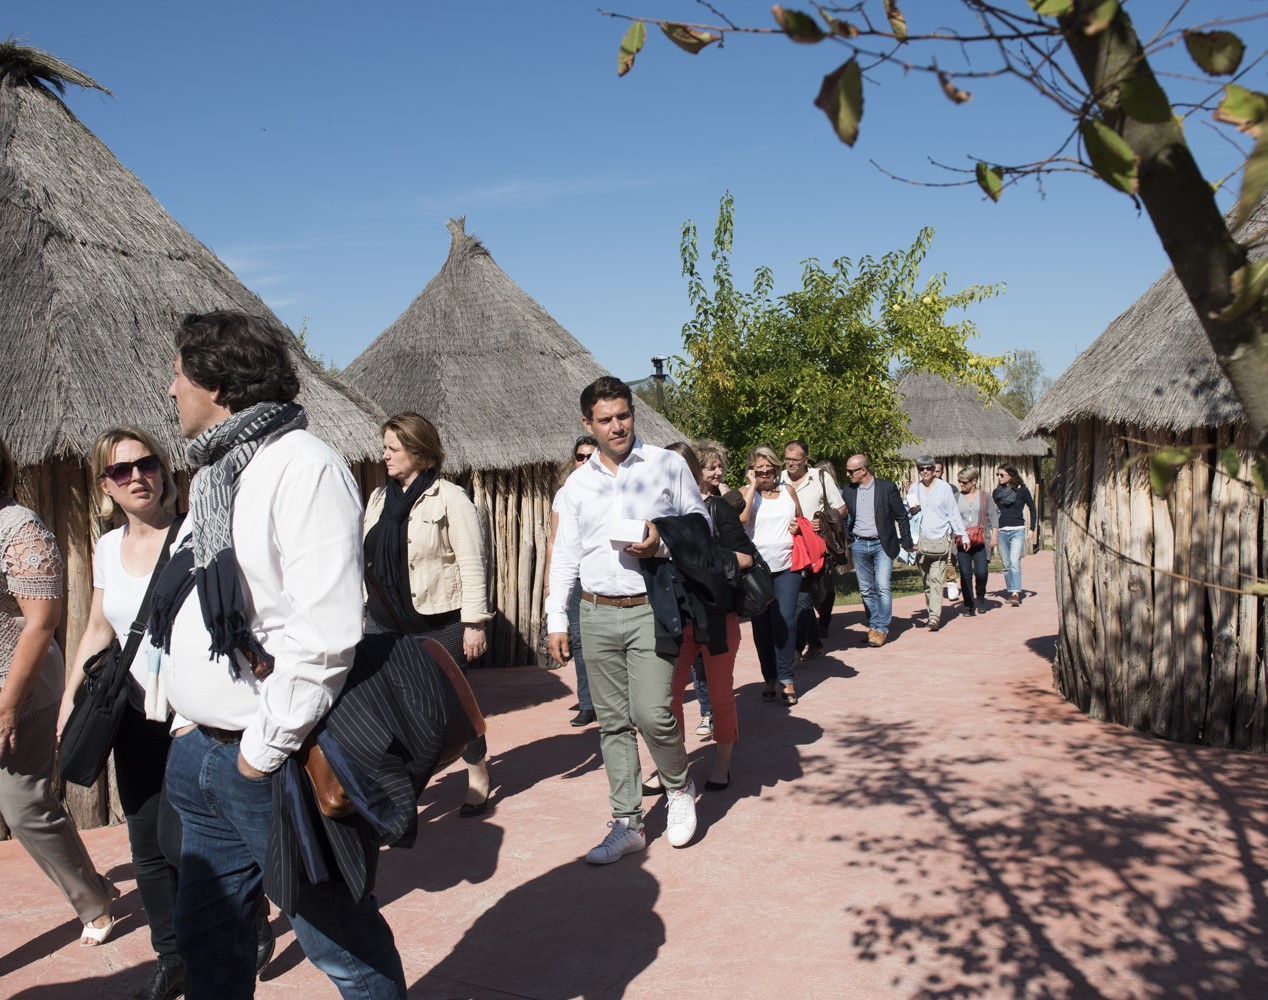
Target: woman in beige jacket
{"points": [[424, 546]]}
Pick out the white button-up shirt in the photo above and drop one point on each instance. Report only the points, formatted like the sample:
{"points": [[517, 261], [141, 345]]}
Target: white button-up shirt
{"points": [[939, 513], [297, 539], [652, 482]]}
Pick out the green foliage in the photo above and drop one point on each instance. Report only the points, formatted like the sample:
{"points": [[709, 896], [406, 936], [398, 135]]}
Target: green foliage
{"points": [[841, 99], [1112, 158], [329, 367], [1024, 382], [1218, 53], [822, 362]]}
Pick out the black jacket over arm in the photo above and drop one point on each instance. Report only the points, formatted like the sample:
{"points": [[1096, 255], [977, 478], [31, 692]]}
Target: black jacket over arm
{"points": [[890, 511]]}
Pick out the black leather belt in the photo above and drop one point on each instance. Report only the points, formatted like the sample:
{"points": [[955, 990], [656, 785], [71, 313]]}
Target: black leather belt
{"points": [[637, 600], [224, 736], [866, 538]]}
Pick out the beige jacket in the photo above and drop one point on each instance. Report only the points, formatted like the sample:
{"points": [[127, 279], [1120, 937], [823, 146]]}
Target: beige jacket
{"points": [[446, 552]]}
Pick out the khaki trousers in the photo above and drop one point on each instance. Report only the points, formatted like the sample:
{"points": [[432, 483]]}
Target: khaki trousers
{"points": [[41, 824], [933, 571], [632, 689]]}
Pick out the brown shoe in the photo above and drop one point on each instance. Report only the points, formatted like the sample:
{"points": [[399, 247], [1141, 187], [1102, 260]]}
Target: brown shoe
{"points": [[875, 638]]}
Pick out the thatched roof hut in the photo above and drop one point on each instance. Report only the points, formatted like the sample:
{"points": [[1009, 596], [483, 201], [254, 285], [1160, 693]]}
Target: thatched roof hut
{"points": [[501, 379], [1142, 641], [94, 279], [954, 424]]}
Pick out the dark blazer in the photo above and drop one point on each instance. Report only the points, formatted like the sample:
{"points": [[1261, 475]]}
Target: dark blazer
{"points": [[382, 736], [890, 511]]}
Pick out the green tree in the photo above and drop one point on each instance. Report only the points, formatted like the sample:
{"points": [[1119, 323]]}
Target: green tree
{"points": [[1086, 58], [329, 367], [1024, 382], [822, 362]]}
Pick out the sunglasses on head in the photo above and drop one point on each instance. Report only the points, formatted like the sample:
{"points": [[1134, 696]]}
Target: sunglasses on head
{"points": [[120, 473]]}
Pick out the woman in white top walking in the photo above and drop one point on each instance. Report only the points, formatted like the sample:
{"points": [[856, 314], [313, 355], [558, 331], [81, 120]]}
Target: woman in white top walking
{"points": [[770, 519]]}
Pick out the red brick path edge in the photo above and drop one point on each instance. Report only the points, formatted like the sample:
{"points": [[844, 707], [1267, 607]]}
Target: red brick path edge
{"points": [[931, 820]]}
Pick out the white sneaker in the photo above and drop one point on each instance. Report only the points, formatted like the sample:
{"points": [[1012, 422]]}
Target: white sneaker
{"points": [[705, 729], [680, 826], [620, 841]]}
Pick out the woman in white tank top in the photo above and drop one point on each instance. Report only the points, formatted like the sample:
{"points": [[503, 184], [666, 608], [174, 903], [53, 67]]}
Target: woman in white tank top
{"points": [[770, 518]]}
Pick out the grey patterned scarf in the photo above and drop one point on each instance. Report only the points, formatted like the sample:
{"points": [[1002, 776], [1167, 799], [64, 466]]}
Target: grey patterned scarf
{"points": [[205, 559]]}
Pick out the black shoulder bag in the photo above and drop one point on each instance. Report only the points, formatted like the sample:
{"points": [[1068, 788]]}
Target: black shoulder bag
{"points": [[101, 699]]}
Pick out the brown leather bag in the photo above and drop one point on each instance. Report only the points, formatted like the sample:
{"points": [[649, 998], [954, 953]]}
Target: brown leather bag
{"points": [[465, 722]]}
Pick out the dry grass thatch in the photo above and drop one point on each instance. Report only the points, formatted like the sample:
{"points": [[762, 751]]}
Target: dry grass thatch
{"points": [[488, 365], [1153, 367], [951, 420], [94, 278]]}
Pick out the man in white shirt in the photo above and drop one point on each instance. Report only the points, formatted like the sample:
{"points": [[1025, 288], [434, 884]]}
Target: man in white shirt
{"points": [[815, 490], [272, 544], [934, 501], [605, 512]]}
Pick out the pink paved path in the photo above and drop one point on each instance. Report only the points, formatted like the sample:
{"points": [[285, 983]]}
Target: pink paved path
{"points": [[931, 821]]}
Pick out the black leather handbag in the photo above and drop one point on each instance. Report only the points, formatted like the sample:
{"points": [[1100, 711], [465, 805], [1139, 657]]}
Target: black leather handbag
{"points": [[90, 731]]}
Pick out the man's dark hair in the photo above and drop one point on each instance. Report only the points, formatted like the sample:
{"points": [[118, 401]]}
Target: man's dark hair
{"points": [[247, 358], [606, 387], [800, 443]]}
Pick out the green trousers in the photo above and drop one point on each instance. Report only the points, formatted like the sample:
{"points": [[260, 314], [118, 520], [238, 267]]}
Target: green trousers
{"points": [[632, 689]]}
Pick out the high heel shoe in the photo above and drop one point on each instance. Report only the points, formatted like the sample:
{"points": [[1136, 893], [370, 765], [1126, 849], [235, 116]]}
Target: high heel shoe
{"points": [[93, 935], [651, 790], [718, 786], [470, 809]]}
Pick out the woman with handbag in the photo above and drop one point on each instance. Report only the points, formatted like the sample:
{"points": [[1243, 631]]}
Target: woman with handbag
{"points": [[1013, 499], [135, 484], [980, 516], [31, 683], [423, 543], [770, 520], [724, 624]]}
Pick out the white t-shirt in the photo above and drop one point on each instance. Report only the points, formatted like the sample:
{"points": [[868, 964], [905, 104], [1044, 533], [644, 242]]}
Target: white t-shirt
{"points": [[121, 596], [768, 527]]}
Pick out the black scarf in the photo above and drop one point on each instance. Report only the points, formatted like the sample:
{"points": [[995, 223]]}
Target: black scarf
{"points": [[205, 560], [1005, 496], [391, 555]]}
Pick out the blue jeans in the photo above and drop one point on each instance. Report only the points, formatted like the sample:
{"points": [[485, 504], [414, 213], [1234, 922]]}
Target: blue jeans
{"points": [[874, 569], [807, 621], [701, 685], [226, 819], [584, 701], [775, 630], [1011, 543]]}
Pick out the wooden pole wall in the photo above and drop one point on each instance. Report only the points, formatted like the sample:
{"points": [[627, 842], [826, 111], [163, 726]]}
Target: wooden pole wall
{"points": [[1150, 645]]}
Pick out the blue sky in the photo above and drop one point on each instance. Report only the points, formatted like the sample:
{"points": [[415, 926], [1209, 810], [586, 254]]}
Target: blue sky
{"points": [[318, 149]]}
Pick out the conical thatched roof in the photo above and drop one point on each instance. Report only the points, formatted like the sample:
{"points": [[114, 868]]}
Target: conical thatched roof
{"points": [[1152, 368], [952, 420], [94, 279], [488, 365]]}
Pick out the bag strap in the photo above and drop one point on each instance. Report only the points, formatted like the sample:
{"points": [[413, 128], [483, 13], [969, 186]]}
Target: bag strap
{"points": [[143, 613], [823, 492]]}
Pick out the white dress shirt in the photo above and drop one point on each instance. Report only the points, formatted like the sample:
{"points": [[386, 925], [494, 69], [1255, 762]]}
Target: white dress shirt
{"points": [[810, 492], [939, 513], [652, 482], [297, 539]]}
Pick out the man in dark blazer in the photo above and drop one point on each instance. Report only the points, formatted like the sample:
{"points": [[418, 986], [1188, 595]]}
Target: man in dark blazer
{"points": [[877, 523]]}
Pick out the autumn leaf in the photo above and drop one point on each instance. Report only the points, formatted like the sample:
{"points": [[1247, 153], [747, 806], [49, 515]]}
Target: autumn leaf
{"points": [[687, 38], [1218, 53], [897, 23], [798, 26], [1246, 109], [949, 88], [841, 99], [633, 42]]}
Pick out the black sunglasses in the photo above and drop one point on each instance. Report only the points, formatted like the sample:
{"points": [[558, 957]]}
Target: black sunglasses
{"points": [[582, 456], [120, 473], [924, 468]]}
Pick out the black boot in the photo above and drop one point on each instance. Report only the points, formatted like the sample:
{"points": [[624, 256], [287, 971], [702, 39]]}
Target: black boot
{"points": [[167, 983], [265, 942]]}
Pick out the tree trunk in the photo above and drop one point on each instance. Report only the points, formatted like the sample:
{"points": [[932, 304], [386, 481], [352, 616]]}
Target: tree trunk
{"points": [[1182, 208]]}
